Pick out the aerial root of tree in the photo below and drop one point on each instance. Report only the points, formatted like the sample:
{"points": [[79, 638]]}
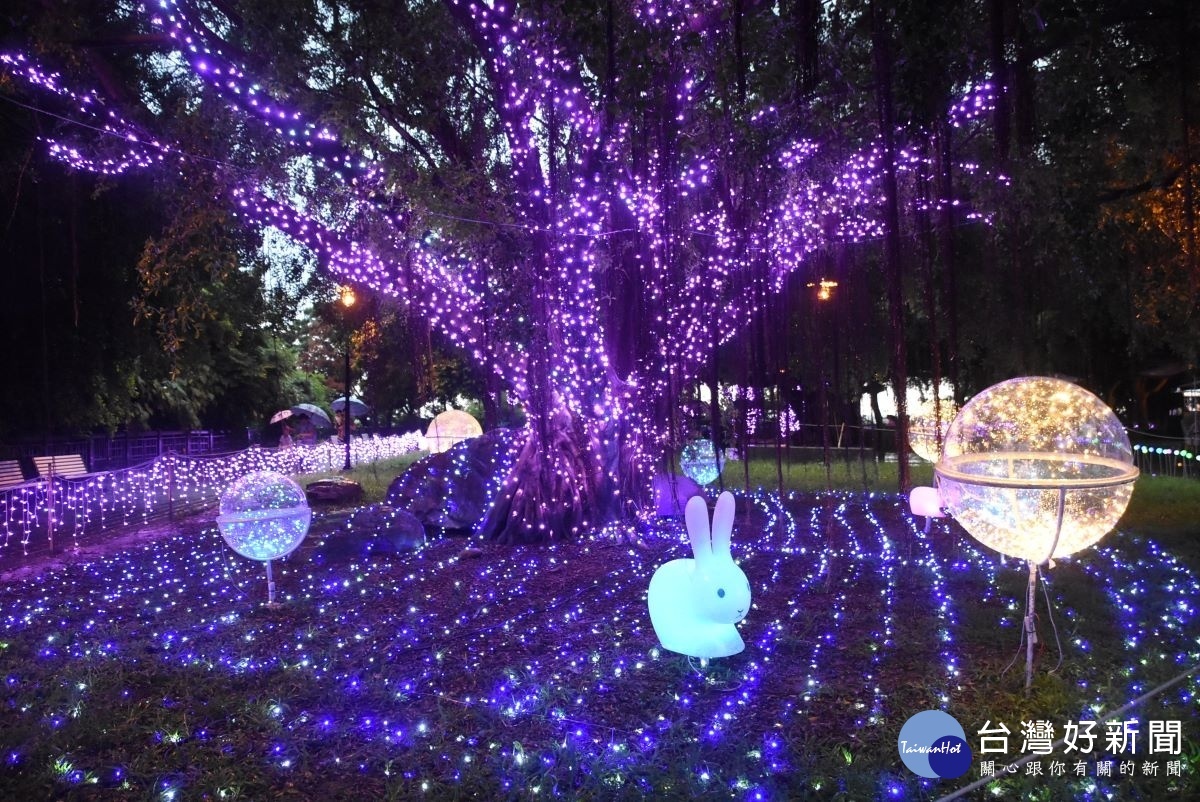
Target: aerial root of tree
{"points": [[555, 490]]}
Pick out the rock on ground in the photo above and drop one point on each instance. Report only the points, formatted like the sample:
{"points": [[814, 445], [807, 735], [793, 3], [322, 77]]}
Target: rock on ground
{"points": [[453, 490], [375, 529], [333, 491]]}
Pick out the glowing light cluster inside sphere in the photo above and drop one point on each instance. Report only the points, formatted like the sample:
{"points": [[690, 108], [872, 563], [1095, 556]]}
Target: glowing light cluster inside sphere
{"points": [[1020, 449], [927, 428], [699, 462], [264, 516], [450, 428]]}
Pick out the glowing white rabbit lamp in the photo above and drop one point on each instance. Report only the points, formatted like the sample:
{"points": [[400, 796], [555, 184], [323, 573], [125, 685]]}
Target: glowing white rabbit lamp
{"points": [[695, 604]]}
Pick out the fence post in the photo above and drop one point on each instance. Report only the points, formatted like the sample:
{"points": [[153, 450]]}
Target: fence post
{"points": [[50, 505]]}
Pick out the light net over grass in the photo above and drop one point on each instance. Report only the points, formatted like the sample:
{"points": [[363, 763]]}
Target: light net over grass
{"points": [[537, 669]]}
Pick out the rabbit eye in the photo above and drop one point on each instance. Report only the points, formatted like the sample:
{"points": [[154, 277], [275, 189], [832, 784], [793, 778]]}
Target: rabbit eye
{"points": [[720, 593]]}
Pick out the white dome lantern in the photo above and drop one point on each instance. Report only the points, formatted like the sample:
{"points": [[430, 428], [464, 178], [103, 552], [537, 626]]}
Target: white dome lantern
{"points": [[450, 428]]}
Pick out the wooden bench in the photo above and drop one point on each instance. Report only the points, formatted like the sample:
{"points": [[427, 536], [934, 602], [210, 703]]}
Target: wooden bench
{"points": [[10, 473], [68, 466]]}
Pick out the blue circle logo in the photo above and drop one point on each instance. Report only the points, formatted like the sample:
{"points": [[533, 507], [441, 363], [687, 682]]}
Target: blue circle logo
{"points": [[933, 744]]}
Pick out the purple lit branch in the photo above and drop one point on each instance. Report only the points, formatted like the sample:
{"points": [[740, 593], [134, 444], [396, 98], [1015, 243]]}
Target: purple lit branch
{"points": [[209, 61], [978, 101], [445, 294], [445, 290], [595, 208], [535, 83], [676, 15], [125, 145]]}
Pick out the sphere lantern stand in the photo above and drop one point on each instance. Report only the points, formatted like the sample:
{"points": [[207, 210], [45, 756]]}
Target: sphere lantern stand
{"points": [[701, 462], [1036, 468], [347, 299], [264, 516]]}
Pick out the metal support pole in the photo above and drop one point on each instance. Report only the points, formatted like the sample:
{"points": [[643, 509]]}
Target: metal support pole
{"points": [[1030, 626], [346, 408], [171, 486], [270, 586]]}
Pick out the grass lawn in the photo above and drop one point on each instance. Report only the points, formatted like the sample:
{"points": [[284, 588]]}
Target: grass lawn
{"points": [[374, 477], [156, 673]]}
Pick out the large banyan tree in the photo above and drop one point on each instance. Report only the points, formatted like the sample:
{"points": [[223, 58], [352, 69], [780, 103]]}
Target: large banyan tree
{"points": [[588, 199]]}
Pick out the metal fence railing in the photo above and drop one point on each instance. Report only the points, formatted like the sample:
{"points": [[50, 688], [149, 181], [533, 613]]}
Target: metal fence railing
{"points": [[104, 452], [1168, 460], [46, 514]]}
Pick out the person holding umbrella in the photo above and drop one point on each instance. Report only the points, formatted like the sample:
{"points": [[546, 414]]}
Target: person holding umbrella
{"points": [[306, 433], [285, 439], [284, 417], [347, 408]]}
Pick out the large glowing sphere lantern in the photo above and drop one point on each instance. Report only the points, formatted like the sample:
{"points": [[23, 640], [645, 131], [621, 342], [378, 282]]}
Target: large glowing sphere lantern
{"points": [[264, 516], [928, 426], [700, 461], [1036, 468]]}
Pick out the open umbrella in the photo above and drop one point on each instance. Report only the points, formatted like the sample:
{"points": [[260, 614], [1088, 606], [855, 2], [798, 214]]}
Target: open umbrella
{"points": [[357, 407], [282, 414], [315, 414]]}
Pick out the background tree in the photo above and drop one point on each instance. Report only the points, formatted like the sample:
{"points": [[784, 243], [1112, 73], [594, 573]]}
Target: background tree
{"points": [[127, 318], [1098, 131]]}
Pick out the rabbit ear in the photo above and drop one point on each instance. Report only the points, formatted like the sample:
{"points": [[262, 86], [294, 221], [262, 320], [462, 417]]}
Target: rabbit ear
{"points": [[722, 525], [696, 515]]}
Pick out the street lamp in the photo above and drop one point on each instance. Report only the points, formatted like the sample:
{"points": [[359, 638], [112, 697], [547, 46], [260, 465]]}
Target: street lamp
{"points": [[824, 288], [347, 298]]}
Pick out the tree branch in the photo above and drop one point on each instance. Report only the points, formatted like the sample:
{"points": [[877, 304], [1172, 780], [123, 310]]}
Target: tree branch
{"points": [[1164, 181], [132, 40], [383, 107]]}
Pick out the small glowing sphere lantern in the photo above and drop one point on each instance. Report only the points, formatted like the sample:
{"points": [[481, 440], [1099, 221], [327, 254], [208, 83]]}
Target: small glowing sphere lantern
{"points": [[1036, 468], [450, 428], [699, 461], [264, 516], [927, 428]]}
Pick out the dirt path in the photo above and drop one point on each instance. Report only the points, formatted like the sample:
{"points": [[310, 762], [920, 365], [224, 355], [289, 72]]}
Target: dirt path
{"points": [[16, 566]]}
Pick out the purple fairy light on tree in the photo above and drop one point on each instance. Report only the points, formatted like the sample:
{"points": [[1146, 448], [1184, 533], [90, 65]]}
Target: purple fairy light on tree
{"points": [[637, 228]]}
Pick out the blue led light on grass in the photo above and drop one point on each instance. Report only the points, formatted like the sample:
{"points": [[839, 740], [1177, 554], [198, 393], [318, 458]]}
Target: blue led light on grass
{"points": [[377, 635]]}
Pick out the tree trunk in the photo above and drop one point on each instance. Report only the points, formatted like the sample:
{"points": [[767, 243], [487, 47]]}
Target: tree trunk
{"points": [[1001, 115], [893, 267], [1185, 122], [949, 289], [559, 485]]}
